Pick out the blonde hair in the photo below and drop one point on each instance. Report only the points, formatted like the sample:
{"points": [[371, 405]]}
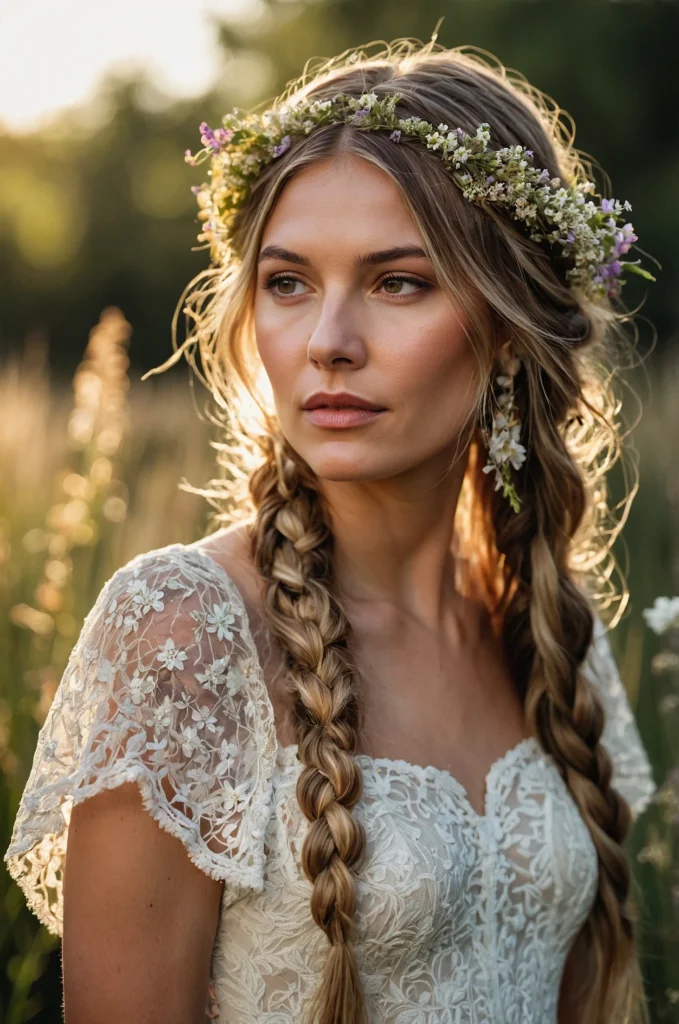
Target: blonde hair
{"points": [[540, 570]]}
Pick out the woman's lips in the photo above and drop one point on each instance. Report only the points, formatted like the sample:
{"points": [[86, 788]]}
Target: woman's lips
{"points": [[341, 416]]}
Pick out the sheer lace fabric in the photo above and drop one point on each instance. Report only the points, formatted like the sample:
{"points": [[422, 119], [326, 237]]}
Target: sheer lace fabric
{"points": [[461, 918]]}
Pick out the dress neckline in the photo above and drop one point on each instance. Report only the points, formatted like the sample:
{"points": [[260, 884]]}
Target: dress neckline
{"points": [[286, 755], [525, 750]]}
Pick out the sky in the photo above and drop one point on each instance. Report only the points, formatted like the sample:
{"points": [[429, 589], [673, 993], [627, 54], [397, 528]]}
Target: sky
{"points": [[53, 53]]}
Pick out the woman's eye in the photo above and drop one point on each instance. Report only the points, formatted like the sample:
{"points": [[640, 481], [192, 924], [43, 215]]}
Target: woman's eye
{"points": [[398, 281], [273, 283]]}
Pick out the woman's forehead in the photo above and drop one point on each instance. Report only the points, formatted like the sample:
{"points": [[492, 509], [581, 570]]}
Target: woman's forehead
{"points": [[349, 200]]}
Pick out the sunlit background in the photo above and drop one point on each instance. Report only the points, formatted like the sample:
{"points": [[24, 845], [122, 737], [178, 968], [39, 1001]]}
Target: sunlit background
{"points": [[97, 241]]}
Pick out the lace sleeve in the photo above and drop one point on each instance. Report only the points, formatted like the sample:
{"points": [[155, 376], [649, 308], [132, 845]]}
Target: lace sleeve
{"points": [[162, 688], [632, 773]]}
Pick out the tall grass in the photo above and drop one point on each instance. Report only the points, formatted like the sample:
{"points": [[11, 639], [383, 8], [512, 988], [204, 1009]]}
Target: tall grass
{"points": [[89, 478]]}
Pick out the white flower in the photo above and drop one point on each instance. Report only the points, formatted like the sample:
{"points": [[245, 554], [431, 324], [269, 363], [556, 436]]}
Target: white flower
{"points": [[488, 468], [238, 675], [227, 752], [220, 620], [105, 671], [664, 614], [368, 99], [214, 676], [139, 687], [434, 141], [146, 598], [190, 740], [49, 750], [163, 714], [130, 622], [202, 716], [170, 655]]}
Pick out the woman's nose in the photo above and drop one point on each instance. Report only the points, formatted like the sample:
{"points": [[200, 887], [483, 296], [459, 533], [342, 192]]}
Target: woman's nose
{"points": [[337, 336]]}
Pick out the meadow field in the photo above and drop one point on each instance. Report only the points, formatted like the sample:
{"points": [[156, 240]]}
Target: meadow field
{"points": [[89, 477]]}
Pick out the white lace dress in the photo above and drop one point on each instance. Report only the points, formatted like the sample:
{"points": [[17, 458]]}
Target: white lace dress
{"points": [[462, 918]]}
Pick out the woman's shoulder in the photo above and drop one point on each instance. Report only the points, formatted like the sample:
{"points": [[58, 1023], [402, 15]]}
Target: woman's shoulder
{"points": [[163, 688], [230, 550], [173, 589]]}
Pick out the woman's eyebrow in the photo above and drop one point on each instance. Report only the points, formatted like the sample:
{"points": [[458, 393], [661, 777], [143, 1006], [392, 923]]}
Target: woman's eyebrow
{"points": [[396, 252]]}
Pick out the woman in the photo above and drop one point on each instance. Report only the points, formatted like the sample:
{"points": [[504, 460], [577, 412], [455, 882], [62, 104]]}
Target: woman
{"points": [[378, 709]]}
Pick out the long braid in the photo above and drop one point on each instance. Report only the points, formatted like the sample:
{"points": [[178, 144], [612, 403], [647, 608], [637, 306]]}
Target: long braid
{"points": [[547, 630], [292, 547]]}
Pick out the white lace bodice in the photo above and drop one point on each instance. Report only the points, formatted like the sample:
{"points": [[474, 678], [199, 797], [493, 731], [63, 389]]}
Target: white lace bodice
{"points": [[461, 918]]}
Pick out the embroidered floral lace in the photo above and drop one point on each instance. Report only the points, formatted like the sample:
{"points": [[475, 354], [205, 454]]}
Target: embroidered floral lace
{"points": [[462, 918]]}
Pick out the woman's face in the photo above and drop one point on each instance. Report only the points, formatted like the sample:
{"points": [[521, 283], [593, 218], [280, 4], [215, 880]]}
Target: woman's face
{"points": [[337, 310]]}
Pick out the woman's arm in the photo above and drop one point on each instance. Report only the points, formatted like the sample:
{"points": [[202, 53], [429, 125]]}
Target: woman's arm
{"points": [[139, 918]]}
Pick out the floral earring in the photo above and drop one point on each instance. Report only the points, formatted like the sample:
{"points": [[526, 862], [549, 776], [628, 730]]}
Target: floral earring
{"points": [[504, 447]]}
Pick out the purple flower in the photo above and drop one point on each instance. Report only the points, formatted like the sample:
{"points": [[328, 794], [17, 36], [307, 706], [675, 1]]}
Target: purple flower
{"points": [[396, 135], [363, 112], [195, 189], [607, 205], [207, 136], [570, 236], [490, 179], [460, 134], [544, 176], [623, 241], [529, 152], [214, 140], [188, 158], [223, 135], [281, 148], [608, 270]]}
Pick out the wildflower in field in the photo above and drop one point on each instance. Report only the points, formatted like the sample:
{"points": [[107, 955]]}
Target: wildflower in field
{"points": [[664, 615]]}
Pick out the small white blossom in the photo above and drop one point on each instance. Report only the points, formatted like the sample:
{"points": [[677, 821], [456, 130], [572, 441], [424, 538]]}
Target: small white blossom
{"points": [[201, 715], [663, 616], [140, 686], [368, 99], [146, 598], [434, 141], [214, 676], [130, 624], [220, 620], [105, 671], [170, 655], [190, 740], [227, 752], [49, 750], [238, 676], [163, 714]]}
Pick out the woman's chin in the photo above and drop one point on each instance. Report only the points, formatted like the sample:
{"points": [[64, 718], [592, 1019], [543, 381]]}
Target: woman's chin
{"points": [[350, 466]]}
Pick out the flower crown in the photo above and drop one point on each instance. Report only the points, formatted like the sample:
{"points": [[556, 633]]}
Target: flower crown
{"points": [[590, 234]]}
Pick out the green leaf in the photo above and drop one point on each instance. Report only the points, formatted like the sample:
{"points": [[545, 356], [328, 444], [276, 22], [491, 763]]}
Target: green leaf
{"points": [[639, 270]]}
